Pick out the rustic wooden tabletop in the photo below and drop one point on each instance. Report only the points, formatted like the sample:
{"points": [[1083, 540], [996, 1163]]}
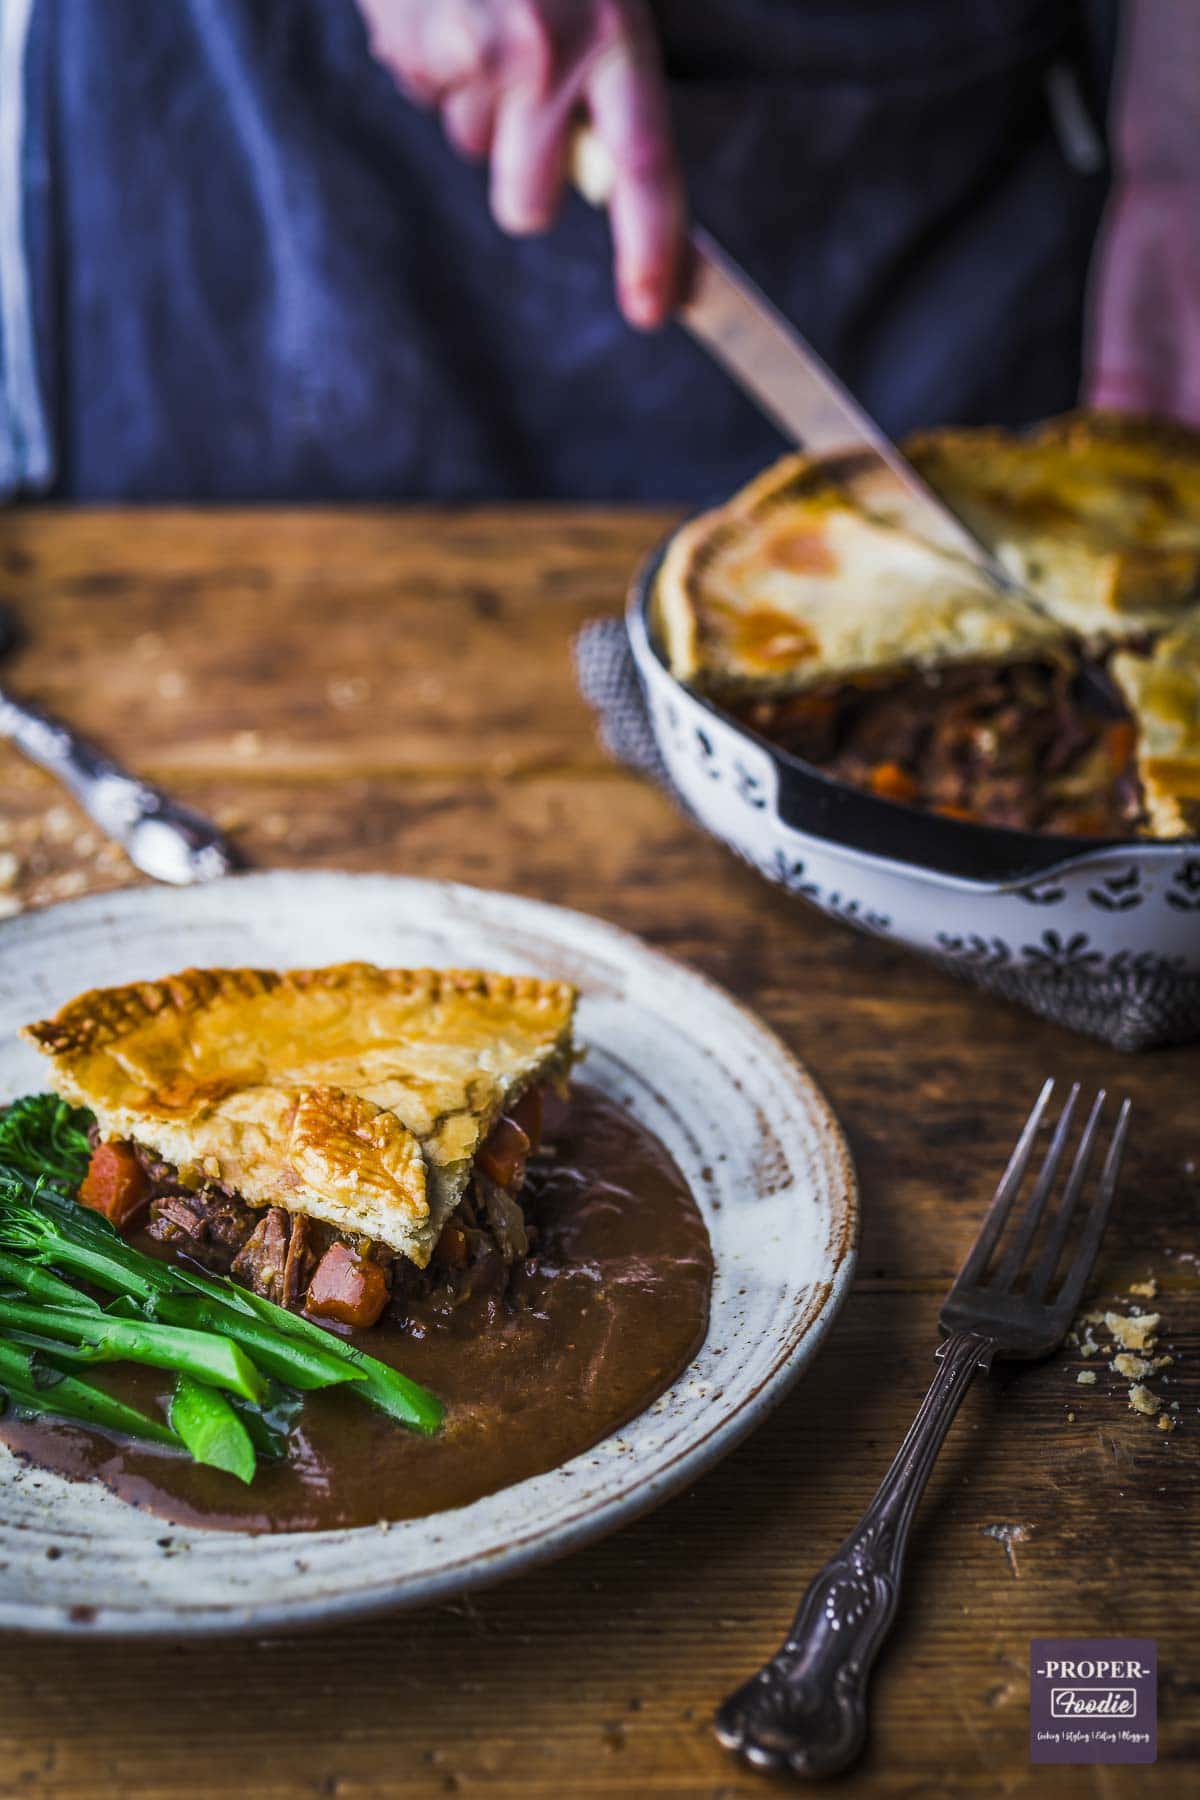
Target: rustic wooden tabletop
{"points": [[392, 690]]}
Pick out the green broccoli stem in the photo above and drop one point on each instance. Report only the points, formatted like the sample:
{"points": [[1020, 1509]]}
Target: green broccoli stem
{"points": [[40, 1284], [383, 1387], [103, 1270], [214, 1361], [211, 1429], [289, 1359], [33, 1387]]}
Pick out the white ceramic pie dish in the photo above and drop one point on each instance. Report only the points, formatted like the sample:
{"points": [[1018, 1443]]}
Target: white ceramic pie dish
{"points": [[747, 1126], [1103, 936]]}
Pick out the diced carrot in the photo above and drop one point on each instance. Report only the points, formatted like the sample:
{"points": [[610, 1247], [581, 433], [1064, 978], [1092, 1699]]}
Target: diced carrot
{"points": [[115, 1184], [891, 782], [504, 1154], [451, 1247], [528, 1113], [817, 710], [1119, 742], [1083, 821], [347, 1288]]}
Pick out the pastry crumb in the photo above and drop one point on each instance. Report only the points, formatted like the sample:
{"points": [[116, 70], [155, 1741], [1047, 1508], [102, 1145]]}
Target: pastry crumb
{"points": [[1165, 1422], [1009, 1536], [67, 886], [59, 825], [348, 693], [1145, 1290], [1086, 1376], [1143, 1401], [1132, 1333]]}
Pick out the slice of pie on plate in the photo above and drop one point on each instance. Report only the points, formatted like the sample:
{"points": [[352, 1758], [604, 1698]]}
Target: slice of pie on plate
{"points": [[1097, 513], [1162, 691], [367, 1100]]}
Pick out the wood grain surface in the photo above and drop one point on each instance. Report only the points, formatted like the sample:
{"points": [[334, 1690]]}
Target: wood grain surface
{"points": [[392, 690]]}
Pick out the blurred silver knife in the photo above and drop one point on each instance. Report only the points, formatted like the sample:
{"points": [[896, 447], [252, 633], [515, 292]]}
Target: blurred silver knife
{"points": [[785, 377], [160, 837]]}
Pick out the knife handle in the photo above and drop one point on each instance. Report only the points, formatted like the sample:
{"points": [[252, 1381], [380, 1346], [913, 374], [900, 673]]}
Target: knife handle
{"points": [[163, 839], [590, 165]]}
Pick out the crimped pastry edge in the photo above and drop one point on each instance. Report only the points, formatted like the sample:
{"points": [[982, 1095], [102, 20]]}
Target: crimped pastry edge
{"points": [[103, 1015]]}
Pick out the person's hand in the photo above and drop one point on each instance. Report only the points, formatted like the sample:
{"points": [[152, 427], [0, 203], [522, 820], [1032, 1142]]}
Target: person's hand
{"points": [[511, 77], [1144, 337], [1145, 308]]}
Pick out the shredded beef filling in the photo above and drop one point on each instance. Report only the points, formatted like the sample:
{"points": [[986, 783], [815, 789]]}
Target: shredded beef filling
{"points": [[276, 1253], [279, 1258], [1032, 747]]}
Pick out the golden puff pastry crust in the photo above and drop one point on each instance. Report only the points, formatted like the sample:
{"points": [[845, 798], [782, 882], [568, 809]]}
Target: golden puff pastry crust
{"points": [[354, 1094], [1097, 513], [792, 584], [1162, 691]]}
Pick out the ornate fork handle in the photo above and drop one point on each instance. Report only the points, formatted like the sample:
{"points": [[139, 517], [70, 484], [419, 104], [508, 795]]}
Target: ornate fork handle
{"points": [[807, 1709]]}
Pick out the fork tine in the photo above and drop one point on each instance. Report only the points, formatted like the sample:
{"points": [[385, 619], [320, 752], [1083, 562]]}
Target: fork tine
{"points": [[1006, 1193], [1085, 1256], [1011, 1263], [1043, 1270]]}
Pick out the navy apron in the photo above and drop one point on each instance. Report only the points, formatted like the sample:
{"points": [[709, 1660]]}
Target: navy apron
{"points": [[258, 272]]}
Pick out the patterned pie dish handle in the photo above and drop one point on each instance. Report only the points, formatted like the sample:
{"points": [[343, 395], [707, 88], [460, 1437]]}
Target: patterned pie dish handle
{"points": [[1101, 937]]}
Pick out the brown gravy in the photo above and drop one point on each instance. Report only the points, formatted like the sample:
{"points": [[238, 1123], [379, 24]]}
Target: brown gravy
{"points": [[615, 1307]]}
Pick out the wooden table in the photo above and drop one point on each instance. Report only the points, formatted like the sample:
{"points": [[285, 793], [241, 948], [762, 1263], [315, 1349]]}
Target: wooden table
{"points": [[392, 690]]}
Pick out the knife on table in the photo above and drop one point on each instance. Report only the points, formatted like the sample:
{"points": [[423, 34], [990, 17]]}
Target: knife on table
{"points": [[787, 380], [160, 837]]}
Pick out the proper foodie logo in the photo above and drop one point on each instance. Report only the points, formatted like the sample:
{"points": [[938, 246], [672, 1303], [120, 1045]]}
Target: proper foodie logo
{"points": [[1093, 1700]]}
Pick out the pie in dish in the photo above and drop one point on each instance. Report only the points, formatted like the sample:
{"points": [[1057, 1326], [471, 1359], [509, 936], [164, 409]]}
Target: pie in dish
{"points": [[893, 665], [283, 1116], [1162, 689], [1097, 513], [889, 663], [793, 585]]}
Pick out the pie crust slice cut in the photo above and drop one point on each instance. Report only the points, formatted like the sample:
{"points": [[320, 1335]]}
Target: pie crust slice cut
{"points": [[792, 585], [354, 1095], [1098, 514], [1162, 691]]}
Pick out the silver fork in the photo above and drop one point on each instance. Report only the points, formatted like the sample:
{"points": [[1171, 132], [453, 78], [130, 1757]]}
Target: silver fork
{"points": [[806, 1711]]}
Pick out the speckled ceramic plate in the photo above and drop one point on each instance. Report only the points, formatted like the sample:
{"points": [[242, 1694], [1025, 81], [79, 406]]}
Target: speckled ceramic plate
{"points": [[745, 1123]]}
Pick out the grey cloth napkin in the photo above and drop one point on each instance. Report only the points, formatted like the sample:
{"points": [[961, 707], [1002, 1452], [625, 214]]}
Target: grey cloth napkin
{"points": [[612, 687]]}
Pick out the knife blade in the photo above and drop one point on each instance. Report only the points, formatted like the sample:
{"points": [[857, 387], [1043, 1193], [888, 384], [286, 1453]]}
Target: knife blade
{"points": [[788, 381]]}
